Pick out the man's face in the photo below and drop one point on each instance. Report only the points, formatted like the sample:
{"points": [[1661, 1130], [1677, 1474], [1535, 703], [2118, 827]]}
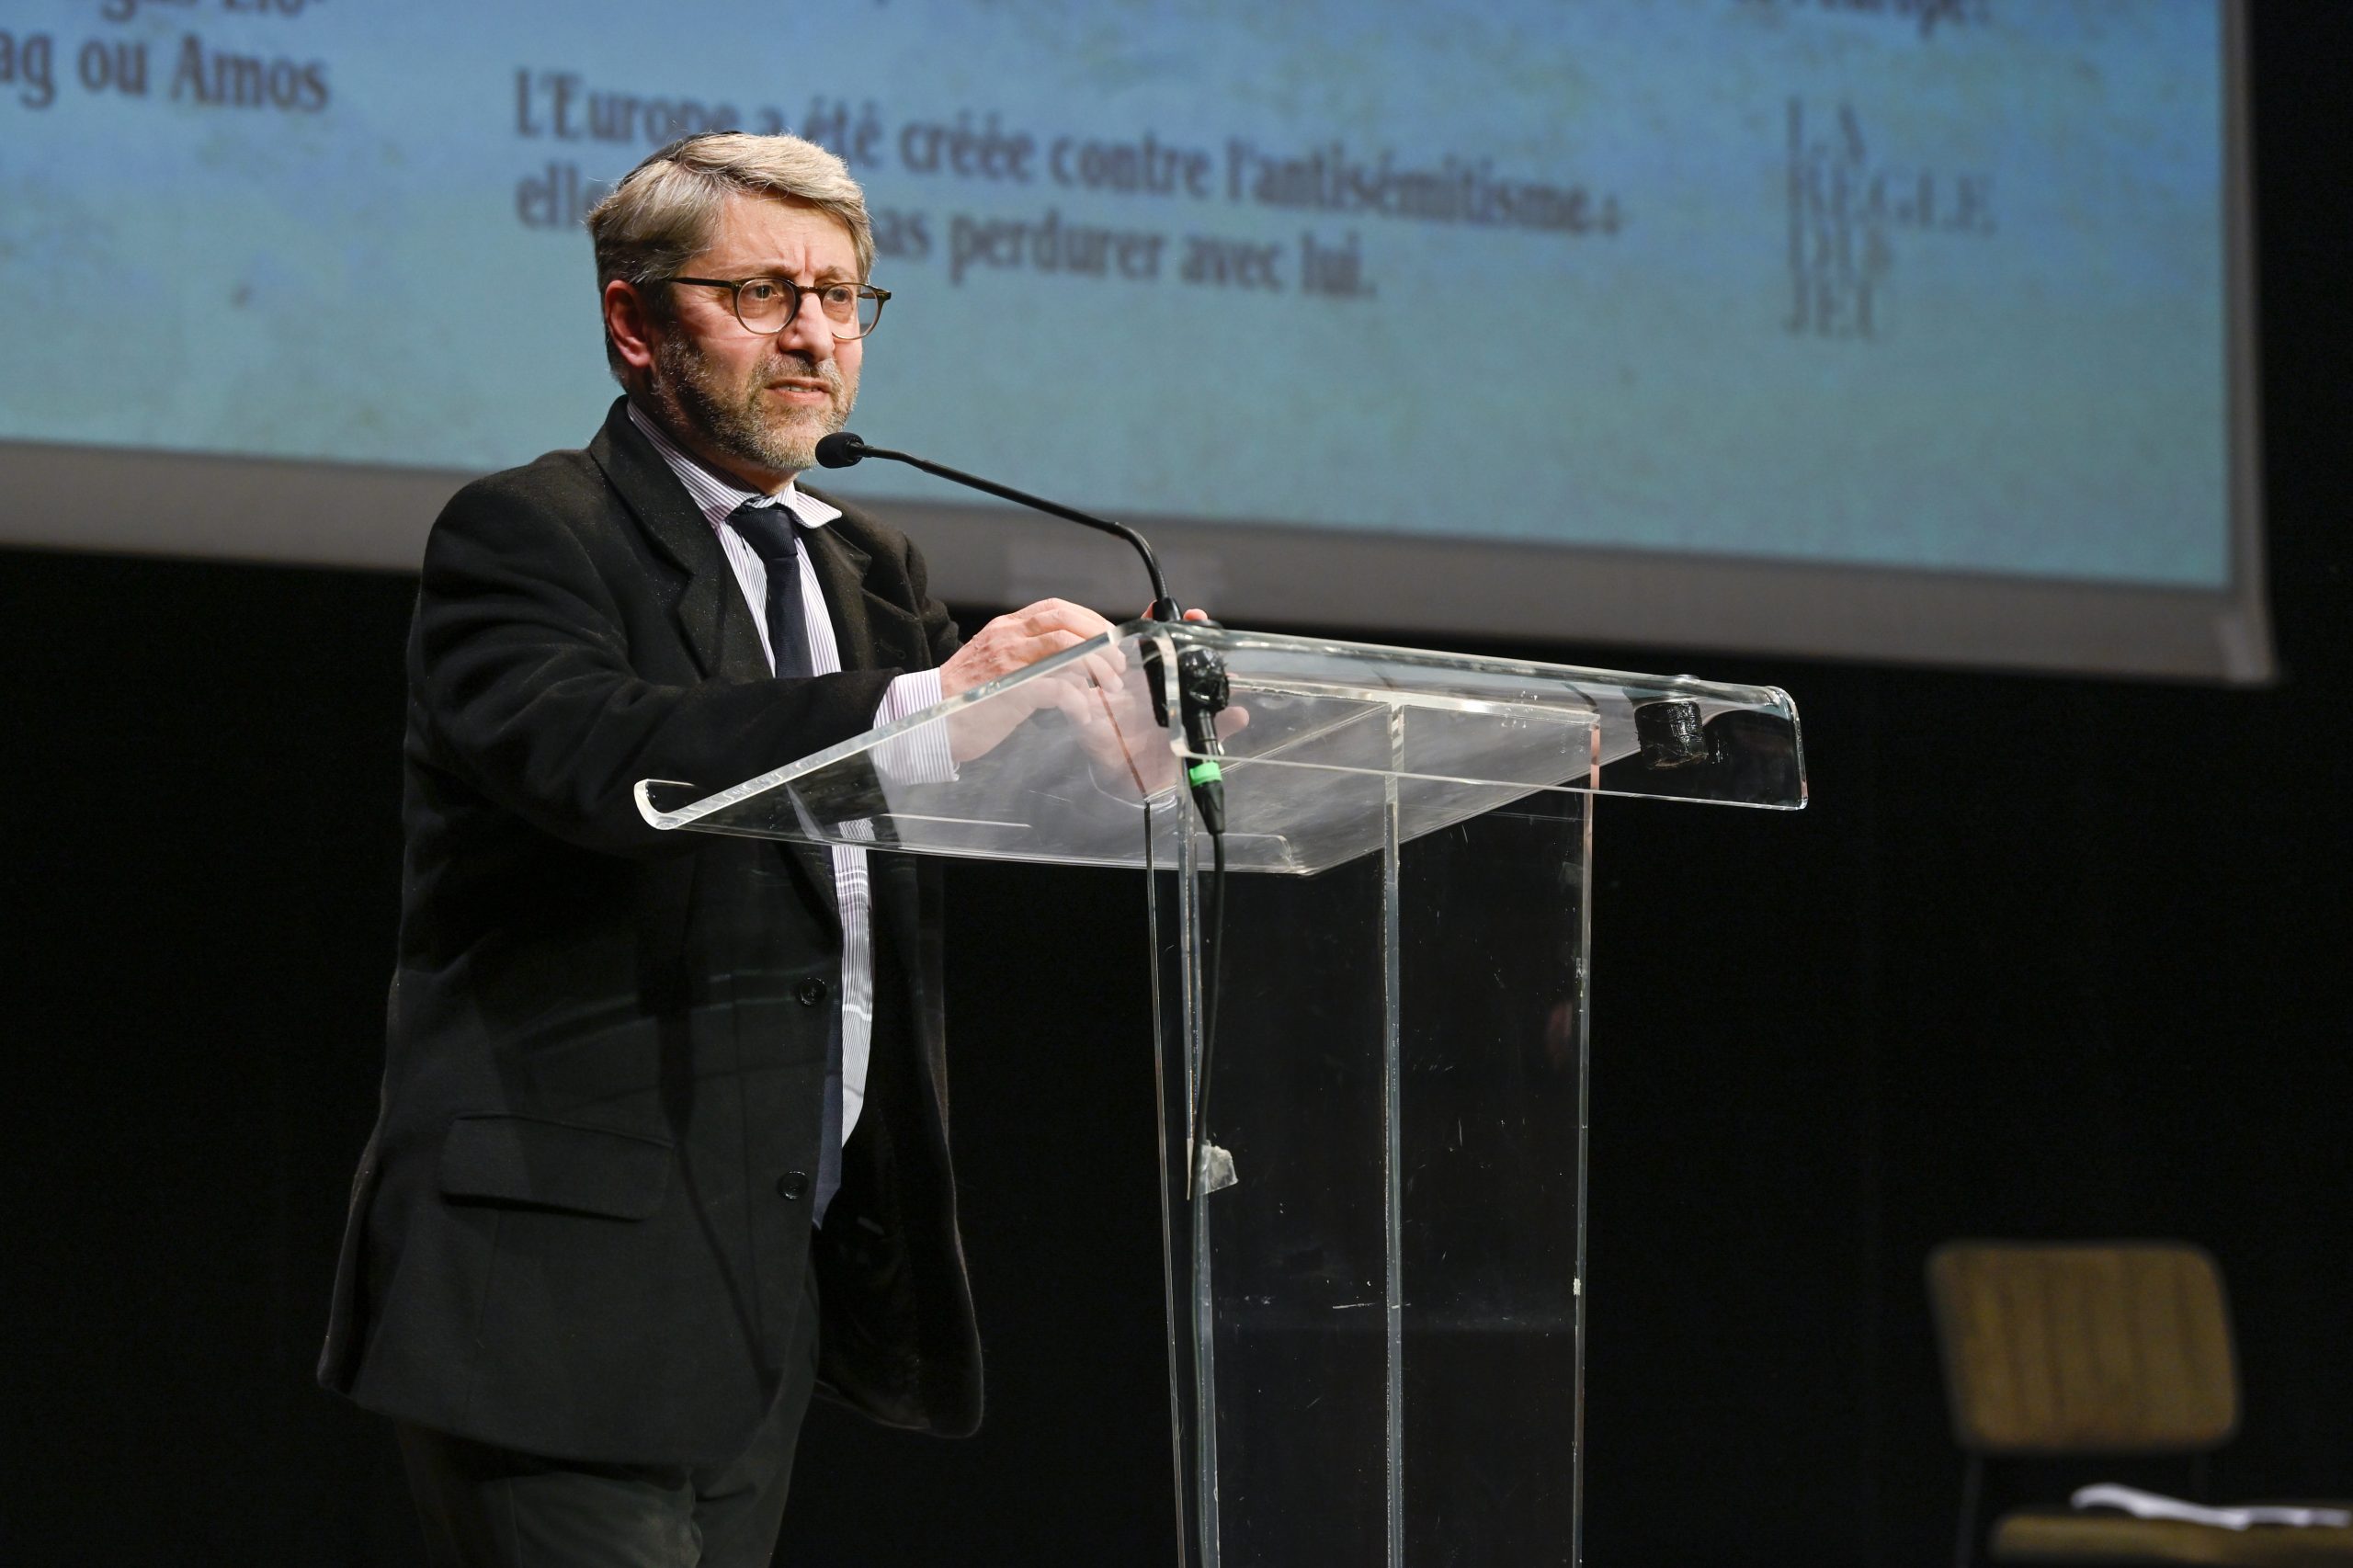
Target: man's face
{"points": [[758, 401]]}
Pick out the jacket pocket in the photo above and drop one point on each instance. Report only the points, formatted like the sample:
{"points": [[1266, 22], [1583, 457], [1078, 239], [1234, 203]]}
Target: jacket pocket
{"points": [[554, 1164]]}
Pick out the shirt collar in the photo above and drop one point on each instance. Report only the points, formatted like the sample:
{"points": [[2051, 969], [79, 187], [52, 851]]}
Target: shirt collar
{"points": [[717, 496]]}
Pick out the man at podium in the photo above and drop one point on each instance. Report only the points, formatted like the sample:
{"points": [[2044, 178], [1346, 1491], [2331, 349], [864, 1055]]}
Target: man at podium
{"points": [[663, 1136]]}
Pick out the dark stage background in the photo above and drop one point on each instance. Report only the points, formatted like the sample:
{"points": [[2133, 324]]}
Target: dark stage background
{"points": [[2046, 958]]}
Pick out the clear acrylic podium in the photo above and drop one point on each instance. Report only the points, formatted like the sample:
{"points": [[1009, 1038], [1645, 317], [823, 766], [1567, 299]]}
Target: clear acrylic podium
{"points": [[1374, 1237]]}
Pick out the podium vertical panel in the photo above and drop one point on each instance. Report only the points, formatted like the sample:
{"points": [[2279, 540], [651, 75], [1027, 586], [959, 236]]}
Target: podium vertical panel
{"points": [[1374, 1330], [1491, 950], [1375, 1263]]}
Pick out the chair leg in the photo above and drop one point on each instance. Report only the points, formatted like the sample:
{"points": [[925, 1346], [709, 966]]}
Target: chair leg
{"points": [[1964, 1545]]}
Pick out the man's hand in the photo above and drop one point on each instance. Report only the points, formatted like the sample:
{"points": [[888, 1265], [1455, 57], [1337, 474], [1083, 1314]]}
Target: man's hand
{"points": [[1108, 715], [1116, 726], [1016, 642], [1013, 642]]}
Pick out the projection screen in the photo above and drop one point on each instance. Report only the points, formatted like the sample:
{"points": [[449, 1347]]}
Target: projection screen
{"points": [[1905, 329]]}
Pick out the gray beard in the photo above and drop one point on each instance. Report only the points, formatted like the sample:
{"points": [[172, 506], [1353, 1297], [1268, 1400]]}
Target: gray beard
{"points": [[732, 419]]}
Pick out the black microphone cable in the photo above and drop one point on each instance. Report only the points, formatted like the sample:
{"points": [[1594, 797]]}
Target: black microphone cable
{"points": [[1202, 694]]}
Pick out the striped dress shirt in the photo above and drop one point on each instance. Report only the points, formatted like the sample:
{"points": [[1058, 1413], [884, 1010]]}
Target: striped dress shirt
{"points": [[917, 757]]}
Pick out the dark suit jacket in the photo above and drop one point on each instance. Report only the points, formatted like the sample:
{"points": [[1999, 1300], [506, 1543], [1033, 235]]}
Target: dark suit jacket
{"points": [[582, 1226]]}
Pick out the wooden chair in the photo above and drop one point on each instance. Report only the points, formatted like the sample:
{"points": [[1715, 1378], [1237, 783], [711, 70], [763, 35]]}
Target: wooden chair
{"points": [[2124, 1349]]}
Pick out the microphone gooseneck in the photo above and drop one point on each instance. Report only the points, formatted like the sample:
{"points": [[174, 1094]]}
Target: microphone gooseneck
{"points": [[846, 449], [1202, 693]]}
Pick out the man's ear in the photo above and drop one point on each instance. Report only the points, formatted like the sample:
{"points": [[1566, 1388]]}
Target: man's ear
{"points": [[629, 324]]}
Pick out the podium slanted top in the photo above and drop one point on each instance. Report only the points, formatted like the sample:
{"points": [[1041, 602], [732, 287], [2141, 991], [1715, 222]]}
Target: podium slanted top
{"points": [[1084, 753]]}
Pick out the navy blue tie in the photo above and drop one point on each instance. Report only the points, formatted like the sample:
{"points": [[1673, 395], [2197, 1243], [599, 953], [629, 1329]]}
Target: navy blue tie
{"points": [[768, 530]]}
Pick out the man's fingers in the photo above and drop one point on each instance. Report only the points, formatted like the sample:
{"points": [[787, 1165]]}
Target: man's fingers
{"points": [[1189, 615], [1063, 614], [1021, 653], [1108, 670], [1019, 640]]}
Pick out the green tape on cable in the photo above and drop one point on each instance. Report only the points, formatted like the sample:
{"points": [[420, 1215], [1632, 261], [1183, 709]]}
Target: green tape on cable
{"points": [[1205, 771]]}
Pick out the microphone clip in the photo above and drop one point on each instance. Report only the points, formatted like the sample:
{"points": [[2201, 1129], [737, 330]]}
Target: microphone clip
{"points": [[1202, 693]]}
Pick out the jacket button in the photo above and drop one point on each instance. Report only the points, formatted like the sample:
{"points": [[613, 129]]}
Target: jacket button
{"points": [[792, 1186], [812, 992]]}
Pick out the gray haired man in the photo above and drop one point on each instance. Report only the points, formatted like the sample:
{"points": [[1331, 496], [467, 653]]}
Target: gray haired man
{"points": [[663, 1138]]}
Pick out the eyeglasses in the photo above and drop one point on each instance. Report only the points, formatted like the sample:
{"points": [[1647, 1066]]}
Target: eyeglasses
{"points": [[764, 304]]}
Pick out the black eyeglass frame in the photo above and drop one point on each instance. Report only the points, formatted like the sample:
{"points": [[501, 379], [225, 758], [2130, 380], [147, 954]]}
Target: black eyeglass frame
{"points": [[735, 286]]}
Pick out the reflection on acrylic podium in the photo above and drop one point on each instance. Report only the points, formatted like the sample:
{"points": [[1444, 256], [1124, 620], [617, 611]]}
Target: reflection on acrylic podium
{"points": [[1374, 1208]]}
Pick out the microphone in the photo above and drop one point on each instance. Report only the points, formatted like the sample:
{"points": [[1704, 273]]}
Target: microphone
{"points": [[843, 448], [846, 449], [1201, 674]]}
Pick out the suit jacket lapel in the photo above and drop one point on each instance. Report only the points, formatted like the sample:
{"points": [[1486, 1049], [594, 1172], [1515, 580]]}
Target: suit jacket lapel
{"points": [[841, 573], [872, 631], [708, 607]]}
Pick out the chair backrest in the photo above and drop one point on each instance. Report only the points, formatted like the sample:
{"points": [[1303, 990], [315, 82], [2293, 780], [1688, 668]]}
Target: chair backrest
{"points": [[2061, 1348]]}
